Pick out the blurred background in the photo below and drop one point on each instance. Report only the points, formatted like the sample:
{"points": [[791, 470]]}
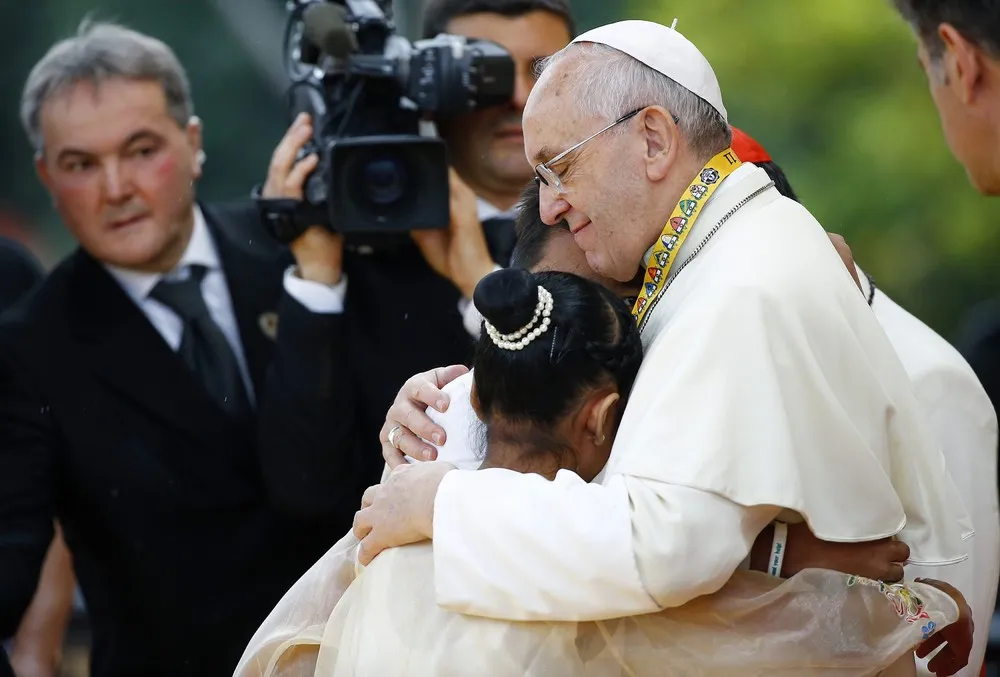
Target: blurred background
{"points": [[832, 90]]}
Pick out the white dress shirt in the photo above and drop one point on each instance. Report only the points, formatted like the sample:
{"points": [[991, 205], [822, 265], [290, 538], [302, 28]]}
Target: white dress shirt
{"points": [[964, 425], [201, 250]]}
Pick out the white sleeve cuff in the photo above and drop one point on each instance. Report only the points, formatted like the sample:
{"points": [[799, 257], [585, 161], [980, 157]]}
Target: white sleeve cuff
{"points": [[316, 296], [472, 320]]}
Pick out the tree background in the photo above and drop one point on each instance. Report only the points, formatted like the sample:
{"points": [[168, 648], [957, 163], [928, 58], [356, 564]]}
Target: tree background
{"points": [[833, 90]]}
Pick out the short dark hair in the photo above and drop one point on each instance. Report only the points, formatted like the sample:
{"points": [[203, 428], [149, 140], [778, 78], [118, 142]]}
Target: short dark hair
{"points": [[439, 13], [977, 20], [777, 174], [532, 233], [591, 340]]}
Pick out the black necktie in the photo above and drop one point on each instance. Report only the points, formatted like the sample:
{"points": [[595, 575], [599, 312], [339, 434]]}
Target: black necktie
{"points": [[204, 347], [500, 237]]}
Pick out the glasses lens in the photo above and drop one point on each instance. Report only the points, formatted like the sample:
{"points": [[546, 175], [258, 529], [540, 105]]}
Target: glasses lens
{"points": [[540, 174]]}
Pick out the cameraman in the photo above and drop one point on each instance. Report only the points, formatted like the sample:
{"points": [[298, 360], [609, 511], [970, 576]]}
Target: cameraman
{"points": [[393, 312], [486, 147]]}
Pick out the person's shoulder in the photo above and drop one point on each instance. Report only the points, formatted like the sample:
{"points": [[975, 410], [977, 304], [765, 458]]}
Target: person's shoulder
{"points": [[230, 214], [20, 273], [980, 329], [47, 299], [240, 223], [462, 426], [778, 244], [921, 349], [15, 256], [460, 411]]}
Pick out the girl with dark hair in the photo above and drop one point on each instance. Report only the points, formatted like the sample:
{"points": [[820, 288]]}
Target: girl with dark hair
{"points": [[550, 378], [556, 361]]}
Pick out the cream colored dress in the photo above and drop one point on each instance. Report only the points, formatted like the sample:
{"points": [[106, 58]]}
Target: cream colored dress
{"points": [[340, 620]]}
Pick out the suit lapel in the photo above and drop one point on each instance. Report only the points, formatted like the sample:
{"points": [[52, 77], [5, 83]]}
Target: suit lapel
{"points": [[253, 274], [127, 353]]}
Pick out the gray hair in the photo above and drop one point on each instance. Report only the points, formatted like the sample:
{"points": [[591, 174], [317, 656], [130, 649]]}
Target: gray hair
{"points": [[98, 52], [607, 79]]}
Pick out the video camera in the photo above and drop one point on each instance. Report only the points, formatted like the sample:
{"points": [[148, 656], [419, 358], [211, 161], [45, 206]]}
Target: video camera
{"points": [[368, 90]]}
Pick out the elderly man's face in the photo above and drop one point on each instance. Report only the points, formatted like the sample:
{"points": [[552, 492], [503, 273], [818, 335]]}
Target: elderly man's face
{"points": [[604, 181], [121, 171]]}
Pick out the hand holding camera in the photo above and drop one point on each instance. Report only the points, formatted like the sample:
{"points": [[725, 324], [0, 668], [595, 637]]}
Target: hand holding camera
{"points": [[367, 91], [459, 253], [318, 251]]}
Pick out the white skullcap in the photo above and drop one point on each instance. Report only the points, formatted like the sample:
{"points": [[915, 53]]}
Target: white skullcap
{"points": [[665, 50]]}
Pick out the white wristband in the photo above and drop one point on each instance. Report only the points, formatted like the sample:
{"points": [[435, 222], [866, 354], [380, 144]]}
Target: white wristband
{"points": [[778, 549]]}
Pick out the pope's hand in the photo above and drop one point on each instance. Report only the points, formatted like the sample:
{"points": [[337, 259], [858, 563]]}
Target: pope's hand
{"points": [[408, 413], [957, 637], [400, 510]]}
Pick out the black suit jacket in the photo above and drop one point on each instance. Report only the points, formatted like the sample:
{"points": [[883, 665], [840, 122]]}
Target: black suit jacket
{"points": [[182, 542], [20, 272], [979, 343], [400, 318]]}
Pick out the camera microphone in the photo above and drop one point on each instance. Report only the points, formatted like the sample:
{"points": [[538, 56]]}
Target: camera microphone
{"points": [[325, 26]]}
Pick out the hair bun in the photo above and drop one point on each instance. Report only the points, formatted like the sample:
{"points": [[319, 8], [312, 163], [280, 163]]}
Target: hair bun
{"points": [[507, 298]]}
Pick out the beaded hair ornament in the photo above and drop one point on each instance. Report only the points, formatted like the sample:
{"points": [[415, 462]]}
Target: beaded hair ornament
{"points": [[529, 332]]}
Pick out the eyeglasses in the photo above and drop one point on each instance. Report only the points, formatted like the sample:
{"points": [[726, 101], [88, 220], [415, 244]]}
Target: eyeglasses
{"points": [[543, 170], [546, 175]]}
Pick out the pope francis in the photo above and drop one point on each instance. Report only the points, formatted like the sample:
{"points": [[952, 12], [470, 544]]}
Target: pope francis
{"points": [[768, 391]]}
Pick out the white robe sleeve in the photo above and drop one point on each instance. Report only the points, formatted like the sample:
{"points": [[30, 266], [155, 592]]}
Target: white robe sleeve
{"points": [[519, 547], [959, 411]]}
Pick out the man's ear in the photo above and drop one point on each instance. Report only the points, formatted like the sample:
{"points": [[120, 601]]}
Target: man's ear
{"points": [[193, 133], [962, 62], [42, 170], [661, 136]]}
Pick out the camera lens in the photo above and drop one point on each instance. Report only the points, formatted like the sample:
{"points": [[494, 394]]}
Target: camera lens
{"points": [[384, 180]]}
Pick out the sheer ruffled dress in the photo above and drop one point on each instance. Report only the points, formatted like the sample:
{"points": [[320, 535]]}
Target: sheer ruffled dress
{"points": [[340, 620]]}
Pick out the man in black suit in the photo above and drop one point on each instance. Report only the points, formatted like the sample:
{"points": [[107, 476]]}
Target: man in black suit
{"points": [[402, 310], [135, 384], [19, 272]]}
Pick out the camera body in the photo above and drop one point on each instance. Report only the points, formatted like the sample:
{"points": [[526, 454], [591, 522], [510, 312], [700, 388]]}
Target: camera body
{"points": [[369, 92]]}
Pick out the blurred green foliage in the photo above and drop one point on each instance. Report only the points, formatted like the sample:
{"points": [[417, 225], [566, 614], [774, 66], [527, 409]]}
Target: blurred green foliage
{"points": [[833, 90]]}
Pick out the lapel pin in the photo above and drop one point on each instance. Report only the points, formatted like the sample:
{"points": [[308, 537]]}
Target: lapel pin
{"points": [[269, 325]]}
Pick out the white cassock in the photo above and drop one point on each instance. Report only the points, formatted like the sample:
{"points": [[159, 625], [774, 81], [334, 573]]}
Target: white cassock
{"points": [[768, 390], [960, 416]]}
